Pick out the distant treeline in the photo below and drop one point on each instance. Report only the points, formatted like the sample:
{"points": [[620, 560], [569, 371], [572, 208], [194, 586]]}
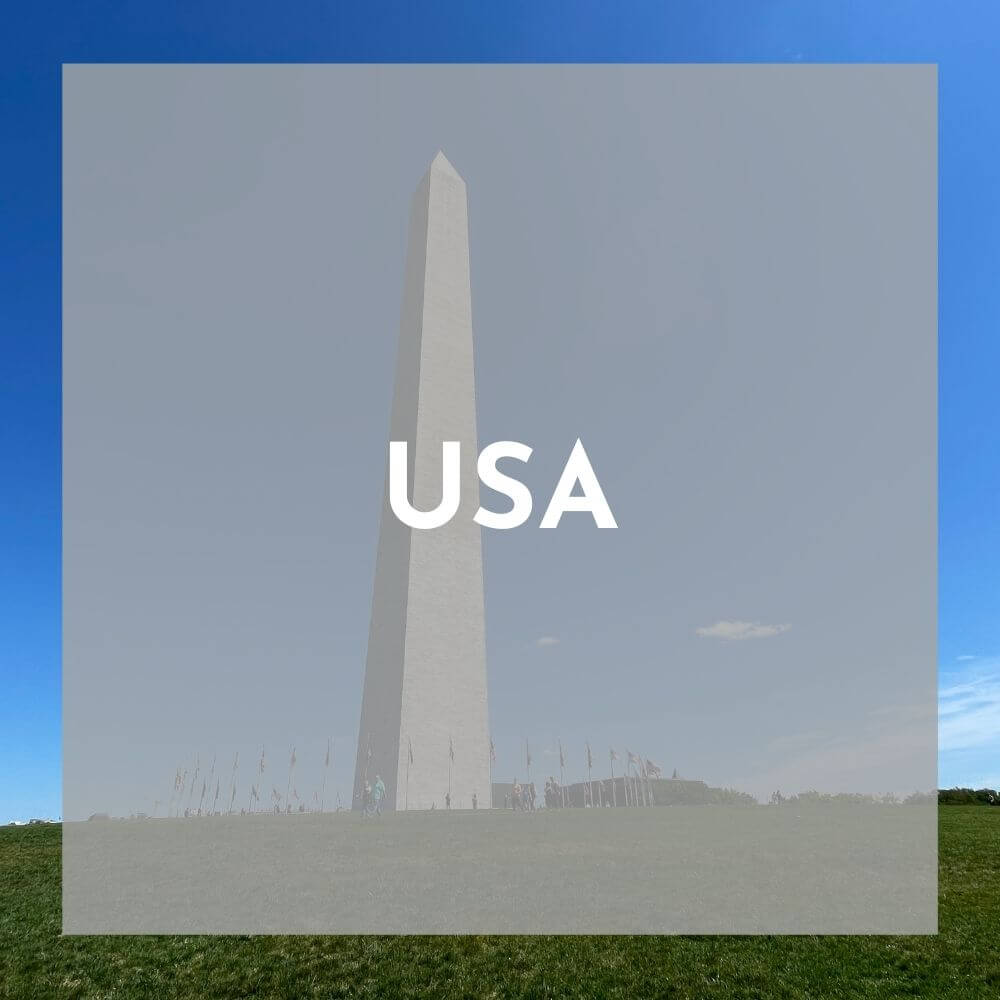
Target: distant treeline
{"points": [[851, 799], [968, 797]]}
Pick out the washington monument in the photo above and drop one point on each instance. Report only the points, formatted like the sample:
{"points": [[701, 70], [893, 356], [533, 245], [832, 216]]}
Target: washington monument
{"points": [[424, 723]]}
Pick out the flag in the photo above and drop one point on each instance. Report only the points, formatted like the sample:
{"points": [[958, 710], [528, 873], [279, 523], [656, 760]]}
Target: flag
{"points": [[653, 770], [614, 754], [562, 758], [236, 762], [590, 759], [493, 752], [633, 759], [451, 748], [295, 793], [261, 760], [292, 762], [527, 753], [327, 762], [409, 748]]}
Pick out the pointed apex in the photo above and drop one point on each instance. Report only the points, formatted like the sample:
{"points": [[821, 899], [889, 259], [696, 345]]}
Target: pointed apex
{"points": [[442, 164]]}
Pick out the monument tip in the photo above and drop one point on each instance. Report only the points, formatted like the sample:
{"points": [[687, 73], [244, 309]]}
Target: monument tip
{"points": [[443, 164]]}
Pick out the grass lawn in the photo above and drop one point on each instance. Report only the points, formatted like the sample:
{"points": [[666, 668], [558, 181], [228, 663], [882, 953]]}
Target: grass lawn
{"points": [[962, 961], [685, 870]]}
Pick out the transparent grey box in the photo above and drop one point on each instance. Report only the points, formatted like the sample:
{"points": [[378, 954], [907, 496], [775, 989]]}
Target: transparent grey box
{"points": [[721, 279]]}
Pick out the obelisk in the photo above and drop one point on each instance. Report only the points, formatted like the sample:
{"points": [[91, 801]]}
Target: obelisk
{"points": [[424, 725]]}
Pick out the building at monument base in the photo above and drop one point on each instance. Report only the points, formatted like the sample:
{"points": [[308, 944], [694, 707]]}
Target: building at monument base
{"points": [[622, 792]]}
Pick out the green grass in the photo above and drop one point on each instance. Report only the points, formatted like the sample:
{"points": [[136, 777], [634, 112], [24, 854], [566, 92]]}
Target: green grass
{"points": [[685, 870], [962, 961]]}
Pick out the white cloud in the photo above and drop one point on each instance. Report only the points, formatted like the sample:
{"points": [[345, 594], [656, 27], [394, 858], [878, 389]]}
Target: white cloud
{"points": [[547, 640], [966, 657], [740, 630], [969, 713]]}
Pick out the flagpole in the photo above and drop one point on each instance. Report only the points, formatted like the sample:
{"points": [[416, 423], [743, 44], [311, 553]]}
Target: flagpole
{"points": [[409, 761], [211, 774], [451, 761], [326, 768], [562, 779], [194, 779], [291, 767], [232, 782], [614, 791], [260, 780], [368, 760]]}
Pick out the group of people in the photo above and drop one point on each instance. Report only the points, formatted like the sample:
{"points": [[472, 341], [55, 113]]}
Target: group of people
{"points": [[447, 800], [554, 798], [374, 796], [521, 797]]}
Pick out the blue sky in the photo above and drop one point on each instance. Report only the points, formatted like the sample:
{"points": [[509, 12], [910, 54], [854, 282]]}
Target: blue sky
{"points": [[39, 38]]}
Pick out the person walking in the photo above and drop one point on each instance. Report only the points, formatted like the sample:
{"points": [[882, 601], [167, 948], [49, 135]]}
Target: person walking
{"points": [[378, 795]]}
